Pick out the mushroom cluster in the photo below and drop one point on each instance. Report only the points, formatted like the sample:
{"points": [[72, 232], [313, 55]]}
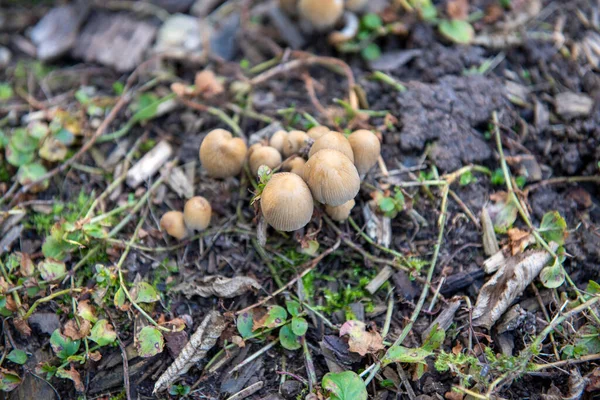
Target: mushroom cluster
{"points": [[320, 164]]}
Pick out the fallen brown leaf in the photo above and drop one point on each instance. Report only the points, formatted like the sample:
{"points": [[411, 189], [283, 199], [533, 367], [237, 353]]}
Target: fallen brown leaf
{"points": [[360, 340], [458, 9], [216, 285], [75, 332], [519, 240]]}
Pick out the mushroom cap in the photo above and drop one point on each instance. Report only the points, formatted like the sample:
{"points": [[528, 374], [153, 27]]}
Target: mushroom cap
{"points": [[317, 131], [286, 202], [355, 5], [294, 142], [221, 154], [252, 148], [335, 141], [173, 223], [265, 155], [322, 14], [295, 166], [340, 213], [278, 139], [366, 148], [332, 177], [196, 213]]}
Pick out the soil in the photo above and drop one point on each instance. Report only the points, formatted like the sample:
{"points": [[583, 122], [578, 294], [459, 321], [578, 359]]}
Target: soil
{"points": [[441, 123]]}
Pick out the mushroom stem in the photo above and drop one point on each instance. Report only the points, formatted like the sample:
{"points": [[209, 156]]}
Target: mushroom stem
{"points": [[349, 30]]}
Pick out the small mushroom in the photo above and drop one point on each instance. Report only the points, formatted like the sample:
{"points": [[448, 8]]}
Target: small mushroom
{"points": [[348, 32], [221, 154], [321, 14], [278, 139], [286, 202], [252, 148], [335, 141], [366, 148], [356, 5], [295, 141], [196, 213], [332, 177], [340, 213], [317, 131], [173, 223], [265, 155], [295, 166]]}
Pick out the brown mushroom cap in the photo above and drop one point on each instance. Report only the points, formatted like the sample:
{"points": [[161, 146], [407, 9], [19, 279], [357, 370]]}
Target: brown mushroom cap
{"points": [[335, 141], [196, 213], [340, 213], [252, 148], [332, 177], [286, 202], [366, 148], [221, 154], [295, 141], [265, 155], [317, 131], [172, 222], [295, 166], [322, 14], [277, 140]]}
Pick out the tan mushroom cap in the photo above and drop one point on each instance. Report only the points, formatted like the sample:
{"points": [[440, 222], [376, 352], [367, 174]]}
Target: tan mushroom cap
{"points": [[295, 166], [322, 14], [221, 154], [332, 177], [278, 139], [252, 148], [286, 202], [356, 5], [173, 223], [295, 141], [196, 213], [317, 131], [335, 141], [340, 213], [366, 148], [265, 155]]}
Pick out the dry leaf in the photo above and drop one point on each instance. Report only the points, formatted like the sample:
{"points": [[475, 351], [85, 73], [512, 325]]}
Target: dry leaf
{"points": [[181, 90], [457, 349], [195, 350], [95, 356], [519, 240], [216, 285], [21, 325], [454, 396], [360, 340], [507, 284], [490, 243], [75, 332], [207, 84]]}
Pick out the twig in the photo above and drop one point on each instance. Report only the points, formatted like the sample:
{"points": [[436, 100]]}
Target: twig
{"points": [[124, 356], [254, 356], [48, 298], [582, 359], [310, 265], [561, 180], [310, 365]]}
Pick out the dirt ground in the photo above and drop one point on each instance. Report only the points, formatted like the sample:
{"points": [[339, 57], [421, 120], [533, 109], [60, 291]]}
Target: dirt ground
{"points": [[88, 89]]}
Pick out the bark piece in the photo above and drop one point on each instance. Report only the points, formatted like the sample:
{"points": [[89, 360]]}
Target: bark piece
{"points": [[381, 278], [115, 40], [572, 105], [217, 285], [149, 164], [498, 293], [490, 243], [444, 320], [195, 350]]}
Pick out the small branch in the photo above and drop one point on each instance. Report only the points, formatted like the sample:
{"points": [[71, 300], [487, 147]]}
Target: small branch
{"points": [[48, 298], [254, 356]]}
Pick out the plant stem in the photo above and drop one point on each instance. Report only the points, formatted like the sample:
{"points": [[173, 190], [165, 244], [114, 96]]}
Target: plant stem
{"points": [[48, 298], [310, 366]]}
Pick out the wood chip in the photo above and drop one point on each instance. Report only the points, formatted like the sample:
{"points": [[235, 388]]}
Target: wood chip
{"points": [[178, 182], [217, 285], [509, 282], [379, 279], [444, 319], [572, 105], [490, 243], [149, 164], [200, 343], [7, 240]]}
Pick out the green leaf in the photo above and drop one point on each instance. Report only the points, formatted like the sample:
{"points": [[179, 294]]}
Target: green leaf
{"points": [[467, 178], [55, 248], [103, 333], [17, 356], [387, 204], [588, 339], [118, 87], [503, 212], [94, 230], [435, 339], [51, 269], [553, 227], [244, 324], [312, 246], [9, 380], [23, 141], [553, 275], [120, 299], [460, 32], [299, 326], [16, 157], [145, 293], [497, 177], [593, 287], [371, 52], [401, 354], [32, 172], [64, 136], [371, 21], [6, 91], [72, 375], [63, 346], [293, 307], [288, 339], [53, 149], [427, 10], [344, 386], [276, 316], [150, 342]]}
